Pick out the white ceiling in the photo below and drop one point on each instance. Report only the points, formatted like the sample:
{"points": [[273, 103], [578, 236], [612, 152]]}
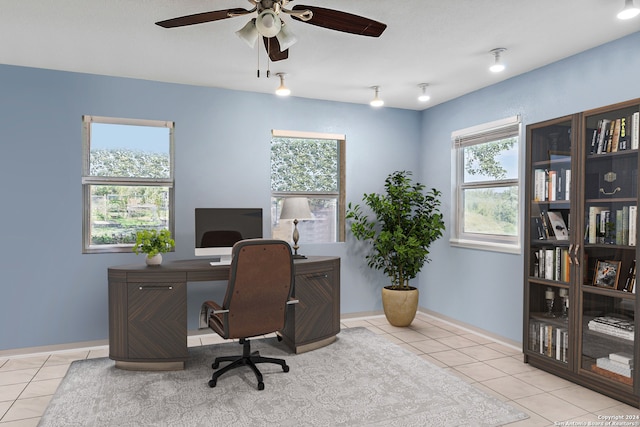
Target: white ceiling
{"points": [[441, 42]]}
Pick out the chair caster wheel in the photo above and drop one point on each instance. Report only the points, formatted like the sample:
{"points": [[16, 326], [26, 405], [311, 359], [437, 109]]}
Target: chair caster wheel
{"points": [[285, 368], [260, 385], [279, 337], [212, 383]]}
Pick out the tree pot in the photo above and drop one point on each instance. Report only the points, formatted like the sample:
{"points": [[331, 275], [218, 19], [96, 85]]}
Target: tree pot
{"points": [[400, 305], [154, 260]]}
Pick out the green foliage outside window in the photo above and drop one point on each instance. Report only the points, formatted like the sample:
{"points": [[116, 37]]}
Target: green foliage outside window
{"points": [[481, 159], [304, 165], [118, 211]]}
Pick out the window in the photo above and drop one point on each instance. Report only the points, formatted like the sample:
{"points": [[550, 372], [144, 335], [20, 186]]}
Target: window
{"points": [[486, 198], [309, 165], [127, 181]]}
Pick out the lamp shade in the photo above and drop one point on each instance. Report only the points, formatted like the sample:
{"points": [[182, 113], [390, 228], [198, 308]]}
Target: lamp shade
{"points": [[295, 208], [249, 33], [268, 23], [286, 38]]}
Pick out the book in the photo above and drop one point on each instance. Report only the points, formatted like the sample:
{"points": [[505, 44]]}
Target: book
{"points": [[635, 130], [558, 225], [603, 126], [624, 143], [622, 357], [539, 177], [549, 270], [625, 225], [615, 135], [633, 217], [537, 230], [593, 223], [618, 368], [552, 183], [608, 142], [628, 284], [548, 232]]}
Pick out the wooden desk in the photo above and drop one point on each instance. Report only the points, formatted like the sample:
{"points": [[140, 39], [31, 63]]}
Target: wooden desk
{"points": [[148, 309]]}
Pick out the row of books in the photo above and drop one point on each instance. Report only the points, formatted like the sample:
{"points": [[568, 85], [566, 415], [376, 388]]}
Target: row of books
{"points": [[548, 339], [549, 225], [617, 227], [613, 326], [551, 185], [615, 135], [552, 264], [620, 363]]}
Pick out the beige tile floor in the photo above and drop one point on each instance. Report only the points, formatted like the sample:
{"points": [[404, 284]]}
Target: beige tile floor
{"points": [[27, 382]]}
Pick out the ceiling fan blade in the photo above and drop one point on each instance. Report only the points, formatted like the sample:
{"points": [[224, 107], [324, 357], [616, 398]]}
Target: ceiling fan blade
{"points": [[342, 21], [200, 18], [272, 46]]}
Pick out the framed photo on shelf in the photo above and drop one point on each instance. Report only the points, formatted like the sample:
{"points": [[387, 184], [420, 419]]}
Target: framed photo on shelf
{"points": [[607, 274]]}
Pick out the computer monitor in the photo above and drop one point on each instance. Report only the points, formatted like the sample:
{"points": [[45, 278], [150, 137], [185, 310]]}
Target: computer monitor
{"points": [[218, 229]]}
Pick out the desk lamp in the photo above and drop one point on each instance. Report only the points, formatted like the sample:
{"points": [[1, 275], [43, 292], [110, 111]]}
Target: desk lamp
{"points": [[296, 208]]}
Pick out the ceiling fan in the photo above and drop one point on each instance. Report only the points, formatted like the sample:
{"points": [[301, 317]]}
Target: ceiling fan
{"points": [[269, 24]]}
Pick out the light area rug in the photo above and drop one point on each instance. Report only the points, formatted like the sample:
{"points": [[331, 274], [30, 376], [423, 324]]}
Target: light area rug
{"points": [[359, 380]]}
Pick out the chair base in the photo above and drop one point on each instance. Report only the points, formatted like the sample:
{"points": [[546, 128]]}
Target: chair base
{"points": [[247, 359]]}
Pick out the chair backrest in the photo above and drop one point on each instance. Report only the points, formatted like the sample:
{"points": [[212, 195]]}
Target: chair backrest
{"points": [[260, 284], [220, 238]]}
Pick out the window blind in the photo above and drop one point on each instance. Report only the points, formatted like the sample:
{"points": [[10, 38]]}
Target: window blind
{"points": [[499, 129]]}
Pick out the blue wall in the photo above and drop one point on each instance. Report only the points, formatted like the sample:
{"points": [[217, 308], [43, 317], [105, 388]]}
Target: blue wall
{"points": [[485, 288], [53, 294]]}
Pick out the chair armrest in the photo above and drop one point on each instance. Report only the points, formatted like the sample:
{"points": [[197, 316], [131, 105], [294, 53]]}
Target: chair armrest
{"points": [[208, 308]]}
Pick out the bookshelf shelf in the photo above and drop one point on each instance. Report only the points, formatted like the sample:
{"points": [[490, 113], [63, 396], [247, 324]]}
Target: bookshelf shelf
{"points": [[580, 249]]}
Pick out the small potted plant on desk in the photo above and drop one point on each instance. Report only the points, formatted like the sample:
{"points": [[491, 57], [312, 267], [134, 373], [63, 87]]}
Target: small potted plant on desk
{"points": [[406, 220], [153, 243]]}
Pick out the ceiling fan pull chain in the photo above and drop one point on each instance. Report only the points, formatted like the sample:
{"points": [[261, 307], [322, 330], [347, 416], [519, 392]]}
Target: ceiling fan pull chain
{"points": [[268, 58], [258, 69]]}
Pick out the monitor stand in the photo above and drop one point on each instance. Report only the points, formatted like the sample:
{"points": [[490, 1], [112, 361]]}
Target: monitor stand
{"points": [[222, 260]]}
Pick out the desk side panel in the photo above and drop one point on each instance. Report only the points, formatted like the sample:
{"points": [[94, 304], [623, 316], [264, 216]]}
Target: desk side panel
{"points": [[317, 316], [118, 307]]}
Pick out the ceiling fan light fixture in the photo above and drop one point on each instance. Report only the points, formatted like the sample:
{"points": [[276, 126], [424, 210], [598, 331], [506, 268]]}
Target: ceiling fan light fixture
{"points": [[424, 96], [268, 23], [286, 38], [376, 101], [282, 90], [629, 11], [497, 66], [249, 33]]}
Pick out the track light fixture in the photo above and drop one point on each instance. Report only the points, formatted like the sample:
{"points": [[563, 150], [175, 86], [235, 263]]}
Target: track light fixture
{"points": [[282, 89], [376, 101], [497, 66], [424, 96], [629, 11]]}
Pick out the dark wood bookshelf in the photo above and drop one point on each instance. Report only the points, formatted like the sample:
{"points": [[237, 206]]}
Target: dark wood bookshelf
{"points": [[584, 329]]}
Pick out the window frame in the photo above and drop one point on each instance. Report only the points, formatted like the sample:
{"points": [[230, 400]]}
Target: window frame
{"points": [[341, 195], [475, 135], [88, 180]]}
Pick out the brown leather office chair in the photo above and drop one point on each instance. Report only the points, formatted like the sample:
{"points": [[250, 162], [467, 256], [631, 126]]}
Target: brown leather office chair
{"points": [[258, 292]]}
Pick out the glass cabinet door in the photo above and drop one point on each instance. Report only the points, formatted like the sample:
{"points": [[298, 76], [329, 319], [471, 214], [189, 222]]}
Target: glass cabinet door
{"points": [[607, 286], [550, 255]]}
